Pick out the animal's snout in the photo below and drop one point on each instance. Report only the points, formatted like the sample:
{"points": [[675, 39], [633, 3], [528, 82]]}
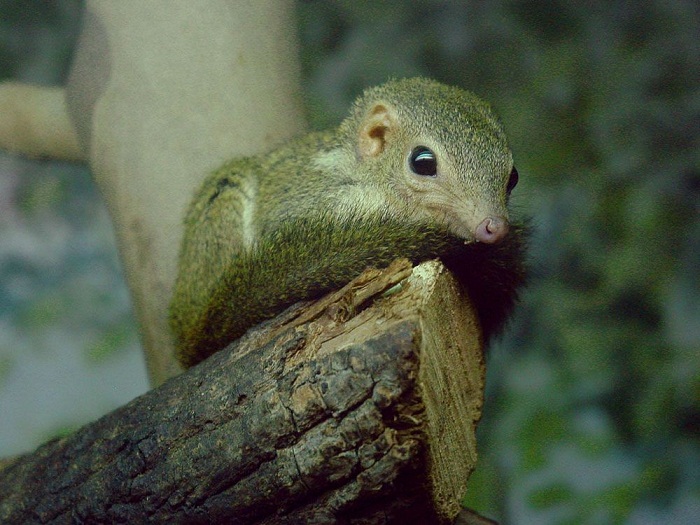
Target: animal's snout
{"points": [[491, 230]]}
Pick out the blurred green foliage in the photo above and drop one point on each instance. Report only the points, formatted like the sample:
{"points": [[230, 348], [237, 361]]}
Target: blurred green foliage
{"points": [[593, 404]]}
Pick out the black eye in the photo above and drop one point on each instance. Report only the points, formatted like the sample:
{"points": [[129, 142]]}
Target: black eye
{"points": [[512, 180], [423, 162]]}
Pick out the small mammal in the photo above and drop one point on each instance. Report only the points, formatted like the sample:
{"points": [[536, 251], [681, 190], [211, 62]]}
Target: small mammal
{"points": [[417, 170]]}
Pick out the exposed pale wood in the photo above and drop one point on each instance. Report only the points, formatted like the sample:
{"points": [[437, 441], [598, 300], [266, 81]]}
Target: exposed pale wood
{"points": [[452, 381]]}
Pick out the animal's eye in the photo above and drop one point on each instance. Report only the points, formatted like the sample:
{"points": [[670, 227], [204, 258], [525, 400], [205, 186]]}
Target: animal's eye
{"points": [[423, 162], [512, 180]]}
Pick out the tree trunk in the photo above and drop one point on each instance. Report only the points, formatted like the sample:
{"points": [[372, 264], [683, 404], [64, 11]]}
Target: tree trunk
{"points": [[161, 93], [357, 408]]}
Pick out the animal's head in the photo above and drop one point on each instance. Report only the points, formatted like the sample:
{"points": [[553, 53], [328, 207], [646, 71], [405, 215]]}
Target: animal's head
{"points": [[440, 150]]}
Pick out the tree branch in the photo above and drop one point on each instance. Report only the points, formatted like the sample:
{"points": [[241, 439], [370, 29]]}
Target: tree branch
{"points": [[360, 407]]}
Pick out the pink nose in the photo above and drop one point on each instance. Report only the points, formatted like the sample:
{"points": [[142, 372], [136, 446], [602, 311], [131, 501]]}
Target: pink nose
{"points": [[491, 230]]}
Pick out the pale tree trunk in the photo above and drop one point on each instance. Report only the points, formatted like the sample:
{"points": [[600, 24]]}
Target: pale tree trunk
{"points": [[160, 93]]}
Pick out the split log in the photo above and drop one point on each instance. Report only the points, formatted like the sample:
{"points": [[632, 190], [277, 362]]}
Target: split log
{"points": [[357, 408]]}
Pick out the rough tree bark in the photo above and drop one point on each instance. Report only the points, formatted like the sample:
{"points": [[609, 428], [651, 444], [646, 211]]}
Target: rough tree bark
{"points": [[358, 408]]}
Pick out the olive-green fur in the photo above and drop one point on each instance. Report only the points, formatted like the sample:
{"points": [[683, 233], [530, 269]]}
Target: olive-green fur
{"points": [[462, 124], [265, 232]]}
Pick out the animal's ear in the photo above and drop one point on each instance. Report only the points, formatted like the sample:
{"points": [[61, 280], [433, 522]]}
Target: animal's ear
{"points": [[376, 126]]}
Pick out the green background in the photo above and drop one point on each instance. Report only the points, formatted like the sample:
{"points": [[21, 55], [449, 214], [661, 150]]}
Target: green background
{"points": [[592, 413]]}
